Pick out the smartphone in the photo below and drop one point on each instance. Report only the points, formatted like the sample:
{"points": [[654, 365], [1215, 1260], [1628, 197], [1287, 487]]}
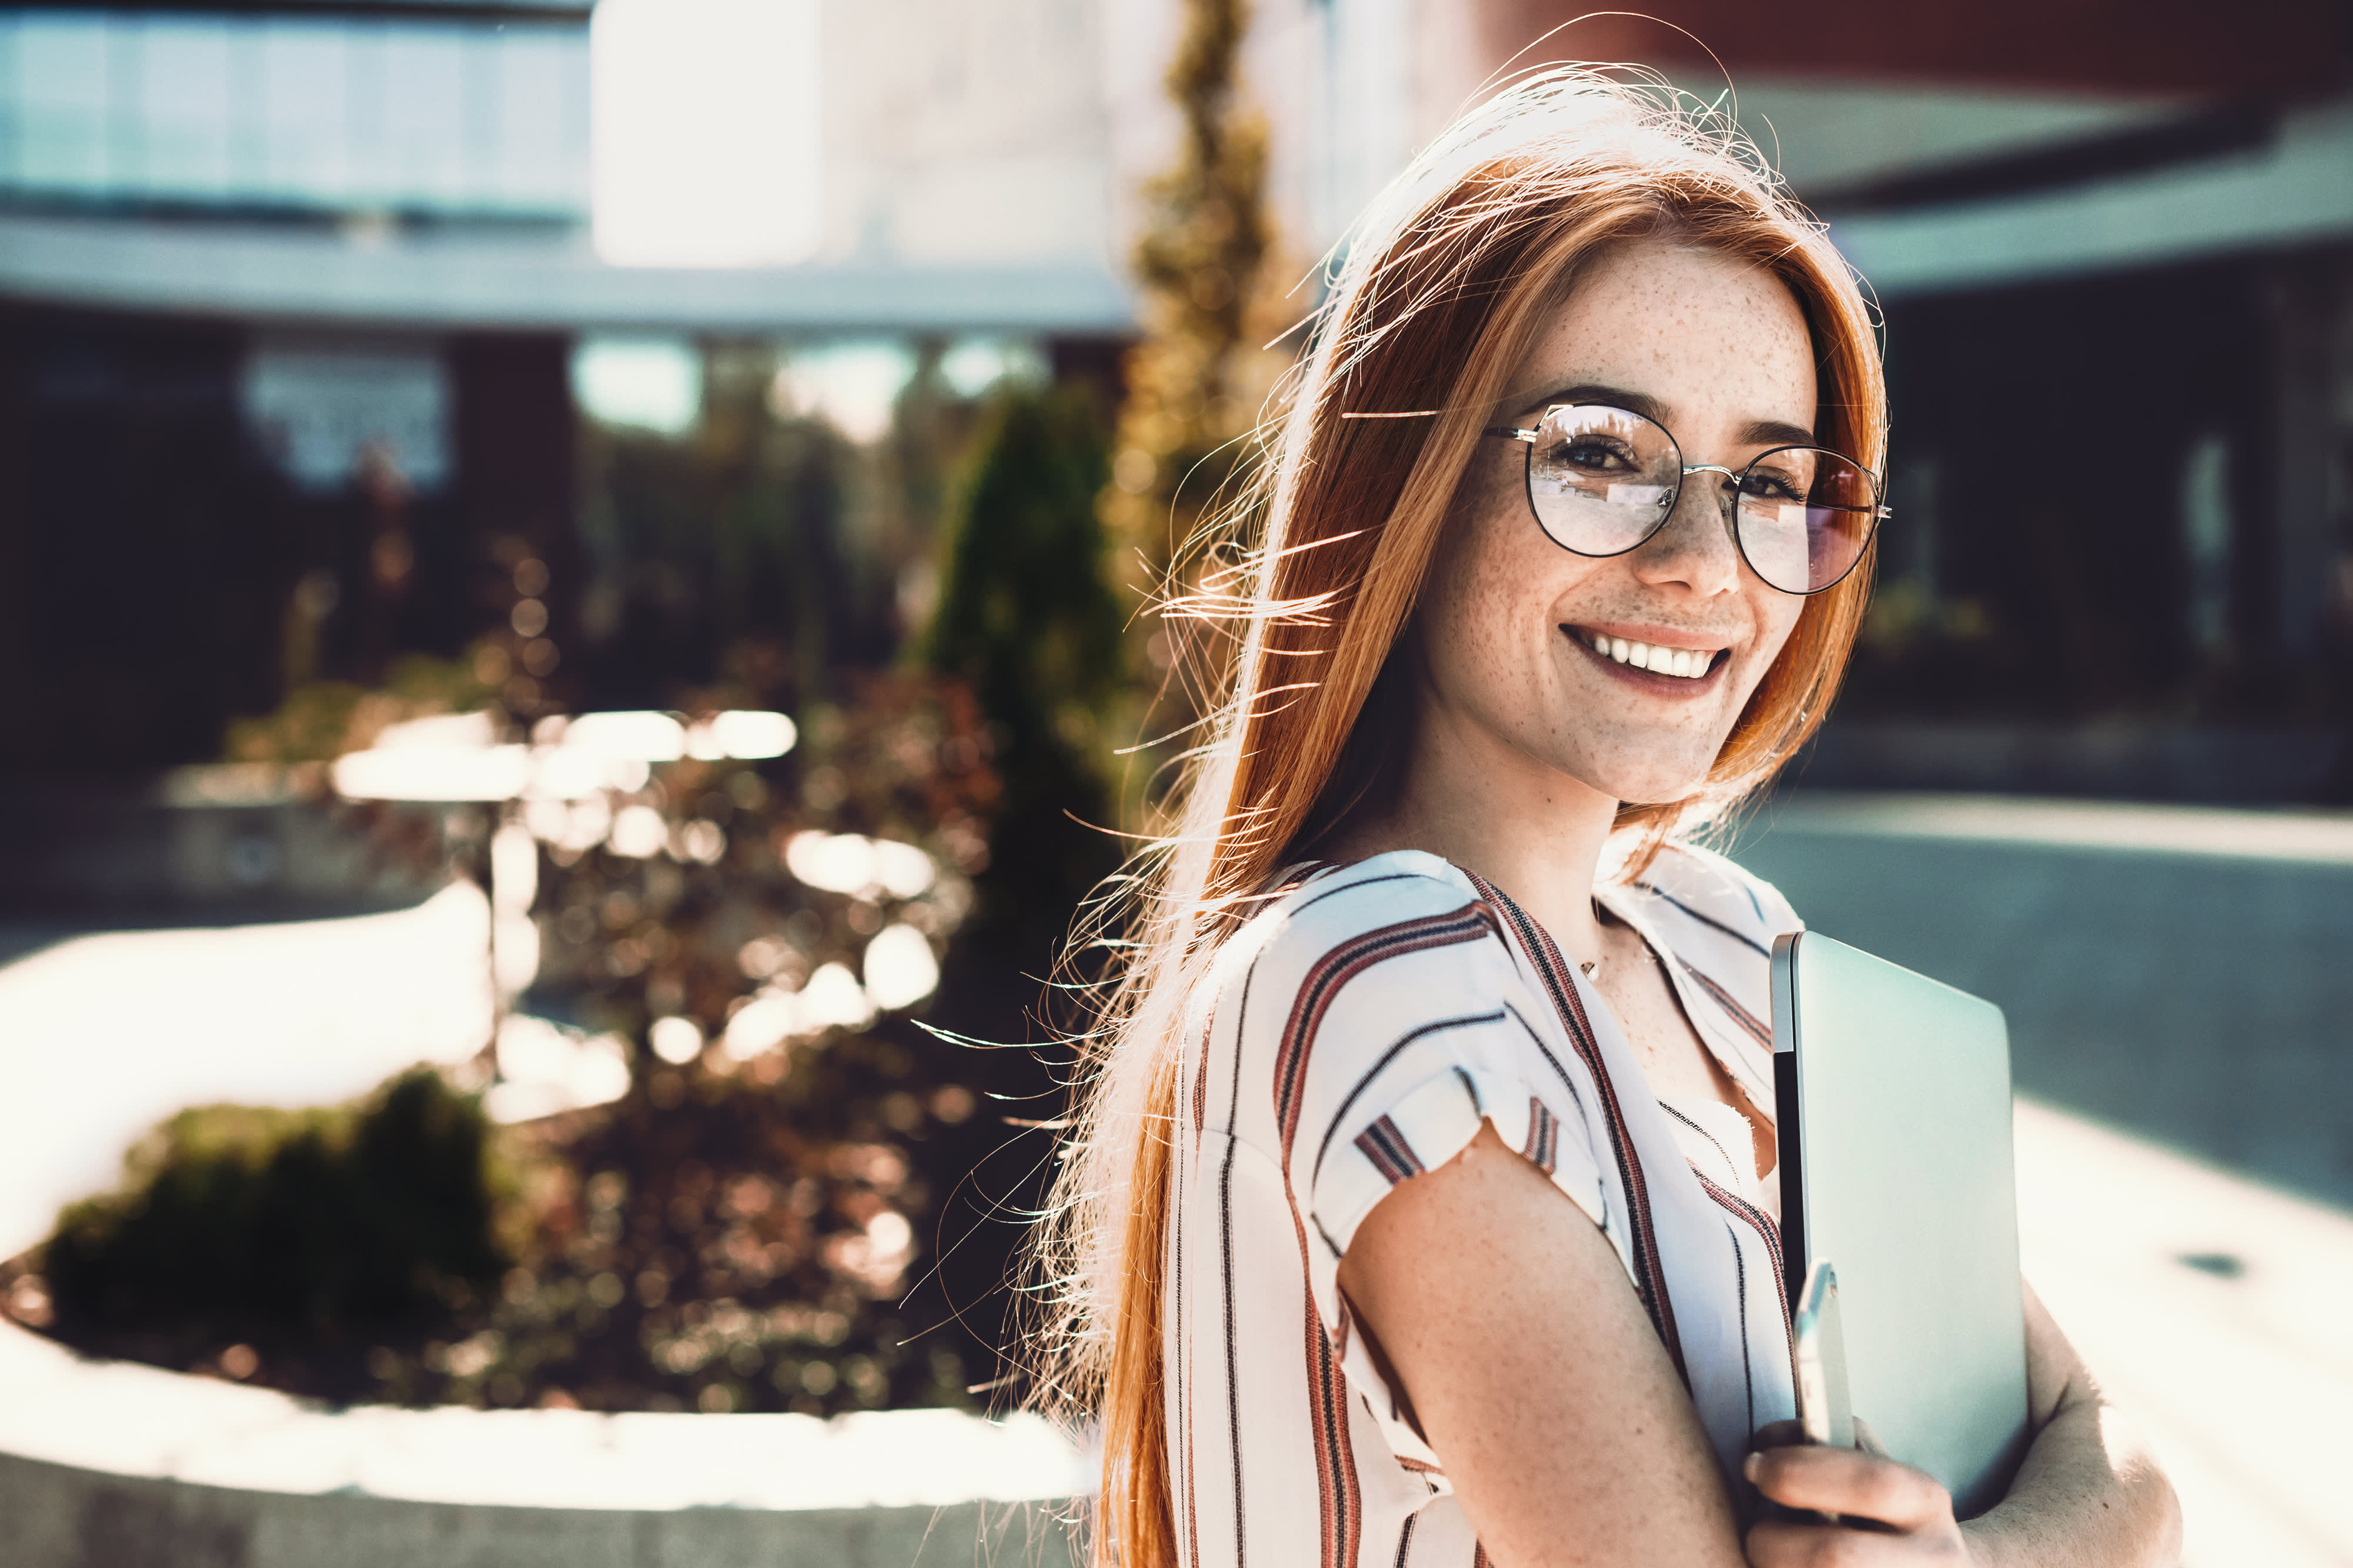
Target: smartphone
{"points": [[1823, 1409]]}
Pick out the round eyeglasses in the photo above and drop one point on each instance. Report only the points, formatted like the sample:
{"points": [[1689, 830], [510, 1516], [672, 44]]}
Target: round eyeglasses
{"points": [[1602, 480]]}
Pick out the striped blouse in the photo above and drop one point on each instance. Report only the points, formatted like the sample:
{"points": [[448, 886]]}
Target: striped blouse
{"points": [[1356, 1032]]}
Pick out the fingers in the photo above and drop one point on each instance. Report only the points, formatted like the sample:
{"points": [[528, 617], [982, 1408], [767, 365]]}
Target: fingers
{"points": [[1849, 1481], [1868, 1440], [1777, 1543], [1778, 1435]]}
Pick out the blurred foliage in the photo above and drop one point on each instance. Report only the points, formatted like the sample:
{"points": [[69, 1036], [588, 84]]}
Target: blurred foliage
{"points": [[764, 524], [1199, 263], [1029, 623], [737, 1231], [725, 1238], [1199, 378], [321, 719], [264, 1226], [819, 1213]]}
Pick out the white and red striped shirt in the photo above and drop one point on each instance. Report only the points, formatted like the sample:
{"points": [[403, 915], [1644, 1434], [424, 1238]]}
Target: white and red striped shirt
{"points": [[1356, 1032]]}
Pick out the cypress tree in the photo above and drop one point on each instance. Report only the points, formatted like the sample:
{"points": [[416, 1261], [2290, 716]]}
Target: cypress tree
{"points": [[1196, 381], [1027, 620]]}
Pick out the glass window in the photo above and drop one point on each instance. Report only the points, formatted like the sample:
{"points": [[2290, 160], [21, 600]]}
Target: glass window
{"points": [[329, 114]]}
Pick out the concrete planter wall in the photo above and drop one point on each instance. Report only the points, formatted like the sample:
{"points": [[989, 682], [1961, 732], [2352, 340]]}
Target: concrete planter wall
{"points": [[56, 1516], [109, 1465], [211, 840]]}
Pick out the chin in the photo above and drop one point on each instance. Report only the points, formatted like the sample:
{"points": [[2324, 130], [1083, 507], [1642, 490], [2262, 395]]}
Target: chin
{"points": [[1646, 783]]}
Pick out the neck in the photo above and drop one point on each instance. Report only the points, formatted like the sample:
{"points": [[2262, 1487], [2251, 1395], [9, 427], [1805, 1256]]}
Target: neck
{"points": [[1530, 829]]}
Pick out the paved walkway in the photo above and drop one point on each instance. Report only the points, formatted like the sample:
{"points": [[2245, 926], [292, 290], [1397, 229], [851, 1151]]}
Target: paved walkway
{"points": [[2180, 1006], [2182, 973], [2214, 1310]]}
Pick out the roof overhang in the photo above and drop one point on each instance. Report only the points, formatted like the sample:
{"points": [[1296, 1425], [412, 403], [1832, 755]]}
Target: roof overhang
{"points": [[447, 279], [2294, 190]]}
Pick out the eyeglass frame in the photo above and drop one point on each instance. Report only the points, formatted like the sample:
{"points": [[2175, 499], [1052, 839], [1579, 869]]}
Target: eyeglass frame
{"points": [[1879, 512]]}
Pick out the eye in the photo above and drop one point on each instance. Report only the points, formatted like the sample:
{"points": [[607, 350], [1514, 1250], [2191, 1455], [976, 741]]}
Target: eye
{"points": [[1774, 481], [1593, 453]]}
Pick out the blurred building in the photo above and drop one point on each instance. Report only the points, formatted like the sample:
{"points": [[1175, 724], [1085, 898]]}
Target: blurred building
{"points": [[299, 301], [296, 296]]}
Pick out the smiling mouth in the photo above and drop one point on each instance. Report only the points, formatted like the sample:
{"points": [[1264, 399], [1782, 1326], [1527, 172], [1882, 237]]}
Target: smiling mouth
{"points": [[1678, 663]]}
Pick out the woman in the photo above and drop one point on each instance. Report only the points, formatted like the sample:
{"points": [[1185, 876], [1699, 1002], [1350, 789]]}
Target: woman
{"points": [[1418, 1213]]}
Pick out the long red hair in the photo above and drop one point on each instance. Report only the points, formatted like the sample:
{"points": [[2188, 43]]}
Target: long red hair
{"points": [[1446, 284]]}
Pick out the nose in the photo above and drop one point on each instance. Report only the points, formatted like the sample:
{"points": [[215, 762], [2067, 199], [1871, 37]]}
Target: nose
{"points": [[1695, 549]]}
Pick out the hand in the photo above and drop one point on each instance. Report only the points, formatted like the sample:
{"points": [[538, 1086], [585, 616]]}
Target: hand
{"points": [[1892, 1513]]}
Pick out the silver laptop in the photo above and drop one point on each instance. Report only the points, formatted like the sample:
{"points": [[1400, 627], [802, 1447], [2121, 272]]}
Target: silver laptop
{"points": [[1894, 1127]]}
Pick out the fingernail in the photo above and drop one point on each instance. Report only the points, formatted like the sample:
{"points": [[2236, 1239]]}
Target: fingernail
{"points": [[1750, 1465]]}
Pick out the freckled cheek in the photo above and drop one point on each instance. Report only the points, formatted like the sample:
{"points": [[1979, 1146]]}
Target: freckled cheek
{"points": [[1510, 615], [1775, 622], [1484, 634], [1465, 625]]}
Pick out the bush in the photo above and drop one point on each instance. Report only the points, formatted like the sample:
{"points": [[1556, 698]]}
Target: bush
{"points": [[1027, 620], [374, 1218], [321, 719]]}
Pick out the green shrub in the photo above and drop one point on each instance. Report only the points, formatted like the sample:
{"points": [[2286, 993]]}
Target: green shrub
{"points": [[319, 720], [375, 1218], [1028, 619]]}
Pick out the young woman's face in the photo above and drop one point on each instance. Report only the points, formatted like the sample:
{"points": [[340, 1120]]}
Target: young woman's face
{"points": [[1717, 353]]}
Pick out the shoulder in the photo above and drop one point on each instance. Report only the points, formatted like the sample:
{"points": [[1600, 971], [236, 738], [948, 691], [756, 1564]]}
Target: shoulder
{"points": [[1388, 898], [1407, 927], [1348, 992], [1699, 893]]}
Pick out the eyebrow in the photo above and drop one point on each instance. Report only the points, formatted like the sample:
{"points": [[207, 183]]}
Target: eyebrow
{"points": [[1756, 433]]}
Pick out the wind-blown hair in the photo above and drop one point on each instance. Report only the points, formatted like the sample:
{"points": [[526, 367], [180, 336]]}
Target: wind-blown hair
{"points": [[1446, 285]]}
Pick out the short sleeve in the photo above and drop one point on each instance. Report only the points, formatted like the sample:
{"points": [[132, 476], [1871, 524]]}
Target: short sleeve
{"points": [[1368, 1025], [1377, 1017], [1427, 1109]]}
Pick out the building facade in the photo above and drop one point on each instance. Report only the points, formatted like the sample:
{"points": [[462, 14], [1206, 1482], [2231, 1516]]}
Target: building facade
{"points": [[302, 301]]}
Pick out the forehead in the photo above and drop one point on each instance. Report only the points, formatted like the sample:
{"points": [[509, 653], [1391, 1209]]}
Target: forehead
{"points": [[1704, 335]]}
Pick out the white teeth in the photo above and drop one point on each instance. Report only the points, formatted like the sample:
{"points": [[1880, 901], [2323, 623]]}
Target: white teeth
{"points": [[1690, 663]]}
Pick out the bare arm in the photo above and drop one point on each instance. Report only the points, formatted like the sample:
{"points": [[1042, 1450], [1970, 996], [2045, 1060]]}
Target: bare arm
{"points": [[1532, 1370], [2088, 1494], [2090, 1491], [1569, 1440]]}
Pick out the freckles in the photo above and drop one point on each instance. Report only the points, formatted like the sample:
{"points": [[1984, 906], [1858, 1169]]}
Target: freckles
{"points": [[1777, 623]]}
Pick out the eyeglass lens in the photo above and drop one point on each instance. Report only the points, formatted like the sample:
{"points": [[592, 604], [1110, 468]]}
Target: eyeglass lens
{"points": [[1602, 480]]}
